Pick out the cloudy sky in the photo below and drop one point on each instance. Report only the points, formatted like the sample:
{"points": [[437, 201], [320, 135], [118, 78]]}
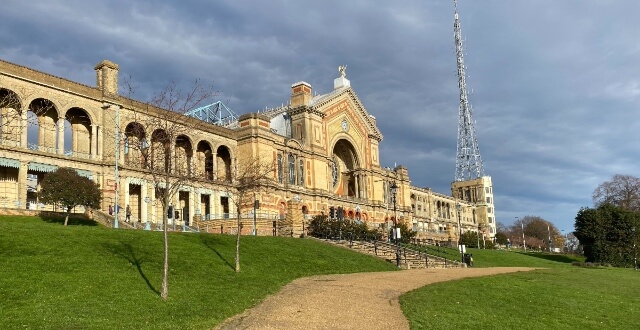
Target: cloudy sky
{"points": [[554, 85]]}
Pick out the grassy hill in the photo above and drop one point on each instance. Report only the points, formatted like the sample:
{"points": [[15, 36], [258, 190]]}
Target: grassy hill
{"points": [[559, 296], [88, 277]]}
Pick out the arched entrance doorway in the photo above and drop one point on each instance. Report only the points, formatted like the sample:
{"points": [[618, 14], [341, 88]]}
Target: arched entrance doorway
{"points": [[344, 163]]}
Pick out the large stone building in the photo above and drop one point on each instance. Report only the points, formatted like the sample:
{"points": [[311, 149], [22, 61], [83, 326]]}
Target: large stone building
{"points": [[324, 150]]}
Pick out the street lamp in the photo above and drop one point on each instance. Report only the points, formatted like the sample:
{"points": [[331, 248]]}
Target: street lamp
{"points": [[394, 192], [549, 233], [459, 208], [635, 251], [524, 243]]}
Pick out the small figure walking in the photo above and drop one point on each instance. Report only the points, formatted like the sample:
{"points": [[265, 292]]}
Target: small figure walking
{"points": [[110, 209], [128, 213]]}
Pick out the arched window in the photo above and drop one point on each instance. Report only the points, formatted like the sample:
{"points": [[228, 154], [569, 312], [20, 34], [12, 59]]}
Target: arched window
{"points": [[292, 169], [280, 173], [301, 172]]}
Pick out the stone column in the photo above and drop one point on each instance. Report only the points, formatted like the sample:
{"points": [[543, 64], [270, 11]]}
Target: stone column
{"points": [[214, 200], [198, 202], [23, 128], [172, 156], [154, 206], [94, 141], [192, 206], [22, 184], [357, 180], [60, 136], [365, 187], [145, 206], [214, 165], [100, 142]]}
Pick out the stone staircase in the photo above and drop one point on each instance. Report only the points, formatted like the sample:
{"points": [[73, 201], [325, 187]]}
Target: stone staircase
{"points": [[409, 258]]}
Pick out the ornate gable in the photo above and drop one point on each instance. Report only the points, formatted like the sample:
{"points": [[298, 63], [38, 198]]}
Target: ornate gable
{"points": [[345, 101]]}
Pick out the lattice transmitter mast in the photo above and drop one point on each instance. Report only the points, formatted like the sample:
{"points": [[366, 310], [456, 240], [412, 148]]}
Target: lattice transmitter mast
{"points": [[468, 161]]}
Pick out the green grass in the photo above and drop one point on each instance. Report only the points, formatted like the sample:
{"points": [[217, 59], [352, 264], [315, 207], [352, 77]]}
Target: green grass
{"points": [[503, 258], [89, 277], [560, 296]]}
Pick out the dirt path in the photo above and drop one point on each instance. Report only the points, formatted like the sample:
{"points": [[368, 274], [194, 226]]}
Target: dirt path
{"points": [[350, 301]]}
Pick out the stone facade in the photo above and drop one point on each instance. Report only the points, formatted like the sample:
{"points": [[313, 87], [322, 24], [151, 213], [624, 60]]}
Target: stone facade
{"points": [[324, 150]]}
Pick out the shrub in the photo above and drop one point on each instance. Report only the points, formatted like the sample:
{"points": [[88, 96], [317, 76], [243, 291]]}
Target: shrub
{"points": [[323, 227]]}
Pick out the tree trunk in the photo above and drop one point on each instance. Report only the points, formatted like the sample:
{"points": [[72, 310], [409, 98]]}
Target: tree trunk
{"points": [[66, 218], [237, 269], [165, 267]]}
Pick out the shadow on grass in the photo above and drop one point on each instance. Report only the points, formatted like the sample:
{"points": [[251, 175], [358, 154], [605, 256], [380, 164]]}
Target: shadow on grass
{"points": [[126, 251], [208, 242], [74, 220], [553, 257]]}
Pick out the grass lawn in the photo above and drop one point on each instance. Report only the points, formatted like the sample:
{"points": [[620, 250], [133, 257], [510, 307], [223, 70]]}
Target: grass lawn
{"points": [[85, 276], [558, 297]]}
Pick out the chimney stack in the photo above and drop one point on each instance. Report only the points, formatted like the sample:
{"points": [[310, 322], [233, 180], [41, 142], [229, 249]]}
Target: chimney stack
{"points": [[107, 77]]}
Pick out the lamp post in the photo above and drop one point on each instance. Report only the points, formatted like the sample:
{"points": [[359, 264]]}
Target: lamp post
{"points": [[394, 192], [635, 251], [146, 225], [549, 233], [106, 106], [524, 243], [459, 208]]}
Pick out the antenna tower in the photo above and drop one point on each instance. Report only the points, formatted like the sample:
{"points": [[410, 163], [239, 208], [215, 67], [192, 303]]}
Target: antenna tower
{"points": [[468, 161]]}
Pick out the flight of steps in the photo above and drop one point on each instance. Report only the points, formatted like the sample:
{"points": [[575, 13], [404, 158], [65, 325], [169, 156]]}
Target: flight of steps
{"points": [[409, 259]]}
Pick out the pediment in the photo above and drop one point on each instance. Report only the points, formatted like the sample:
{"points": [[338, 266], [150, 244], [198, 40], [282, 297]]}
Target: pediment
{"points": [[344, 101]]}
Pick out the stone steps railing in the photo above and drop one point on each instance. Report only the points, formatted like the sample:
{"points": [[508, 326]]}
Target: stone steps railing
{"points": [[409, 258]]}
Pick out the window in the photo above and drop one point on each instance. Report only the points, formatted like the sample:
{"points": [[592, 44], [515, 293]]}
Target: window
{"points": [[490, 210], [280, 173], [490, 219], [301, 172], [292, 169], [488, 200]]}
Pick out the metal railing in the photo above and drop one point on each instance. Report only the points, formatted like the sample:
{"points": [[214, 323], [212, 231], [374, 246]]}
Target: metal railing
{"points": [[9, 143], [37, 147], [77, 154]]}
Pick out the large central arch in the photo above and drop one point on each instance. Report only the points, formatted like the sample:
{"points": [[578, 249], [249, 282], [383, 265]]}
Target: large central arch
{"points": [[344, 162]]}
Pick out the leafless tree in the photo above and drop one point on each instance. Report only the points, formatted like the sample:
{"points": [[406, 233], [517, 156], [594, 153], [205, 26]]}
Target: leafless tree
{"points": [[537, 231], [622, 190], [10, 116], [166, 168], [252, 176]]}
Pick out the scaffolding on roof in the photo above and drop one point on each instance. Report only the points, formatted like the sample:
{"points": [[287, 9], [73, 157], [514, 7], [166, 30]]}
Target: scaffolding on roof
{"points": [[216, 113]]}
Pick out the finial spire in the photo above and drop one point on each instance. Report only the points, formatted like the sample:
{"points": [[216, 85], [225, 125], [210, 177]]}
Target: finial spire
{"points": [[343, 70]]}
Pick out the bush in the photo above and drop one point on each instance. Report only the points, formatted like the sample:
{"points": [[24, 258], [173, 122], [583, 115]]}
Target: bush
{"points": [[323, 227]]}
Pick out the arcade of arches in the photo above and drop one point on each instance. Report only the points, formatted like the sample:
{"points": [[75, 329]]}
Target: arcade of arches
{"points": [[329, 160]]}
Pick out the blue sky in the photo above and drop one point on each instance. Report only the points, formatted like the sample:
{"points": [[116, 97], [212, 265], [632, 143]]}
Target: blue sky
{"points": [[554, 85]]}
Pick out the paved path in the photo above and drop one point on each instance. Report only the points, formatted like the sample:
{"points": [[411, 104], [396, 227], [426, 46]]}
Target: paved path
{"points": [[350, 301]]}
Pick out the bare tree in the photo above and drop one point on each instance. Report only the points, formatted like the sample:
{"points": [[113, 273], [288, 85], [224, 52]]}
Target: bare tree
{"points": [[622, 190], [165, 157], [10, 117], [537, 231], [252, 176]]}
